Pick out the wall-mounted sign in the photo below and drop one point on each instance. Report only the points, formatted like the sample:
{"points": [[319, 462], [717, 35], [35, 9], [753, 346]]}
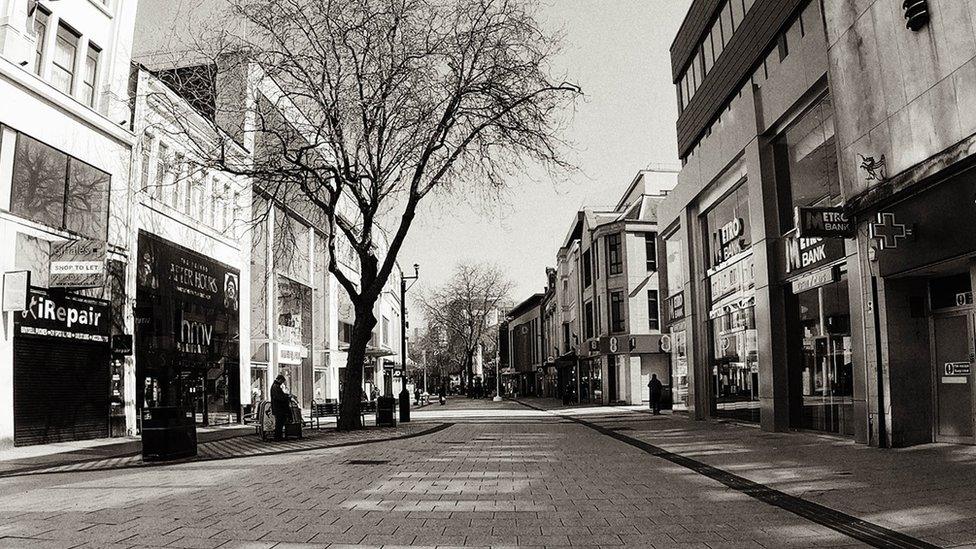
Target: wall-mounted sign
{"points": [[59, 315], [823, 223], [122, 344], [887, 231], [290, 354], [78, 264], [16, 290], [594, 345], [958, 368], [807, 254], [666, 343], [676, 306], [964, 298], [613, 345], [815, 279], [737, 277]]}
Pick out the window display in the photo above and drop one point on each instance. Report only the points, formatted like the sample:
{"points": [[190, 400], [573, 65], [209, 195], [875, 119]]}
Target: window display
{"points": [[735, 364]]}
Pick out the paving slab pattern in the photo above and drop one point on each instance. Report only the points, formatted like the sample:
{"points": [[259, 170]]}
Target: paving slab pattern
{"points": [[499, 476]]}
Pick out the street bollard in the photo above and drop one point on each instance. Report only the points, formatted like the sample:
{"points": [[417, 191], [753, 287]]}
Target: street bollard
{"points": [[404, 405]]}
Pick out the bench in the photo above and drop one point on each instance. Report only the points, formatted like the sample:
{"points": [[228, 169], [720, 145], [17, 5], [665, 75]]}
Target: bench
{"points": [[321, 410]]}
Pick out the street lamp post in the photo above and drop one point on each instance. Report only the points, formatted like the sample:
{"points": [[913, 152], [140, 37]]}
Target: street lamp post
{"points": [[405, 402], [498, 374]]}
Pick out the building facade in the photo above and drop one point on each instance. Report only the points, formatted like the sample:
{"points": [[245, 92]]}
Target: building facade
{"points": [[759, 316], [526, 360], [906, 130], [65, 154]]}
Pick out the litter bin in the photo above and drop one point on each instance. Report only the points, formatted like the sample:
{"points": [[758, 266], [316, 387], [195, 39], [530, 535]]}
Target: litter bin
{"points": [[168, 432], [404, 405], [386, 411]]}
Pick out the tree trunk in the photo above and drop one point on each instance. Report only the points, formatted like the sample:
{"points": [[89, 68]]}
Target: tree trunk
{"points": [[352, 388]]}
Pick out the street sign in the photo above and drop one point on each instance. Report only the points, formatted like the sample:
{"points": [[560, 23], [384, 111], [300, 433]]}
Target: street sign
{"points": [[823, 223]]}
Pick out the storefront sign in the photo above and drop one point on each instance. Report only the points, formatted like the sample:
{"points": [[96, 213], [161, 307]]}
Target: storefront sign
{"points": [[958, 368], [78, 264], [16, 291], [815, 279], [59, 315], [290, 354], [738, 277], [676, 306], [665, 343], [888, 232], [613, 344], [964, 298], [823, 223]]}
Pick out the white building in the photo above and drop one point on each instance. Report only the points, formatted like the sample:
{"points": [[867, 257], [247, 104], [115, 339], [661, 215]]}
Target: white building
{"points": [[65, 155]]}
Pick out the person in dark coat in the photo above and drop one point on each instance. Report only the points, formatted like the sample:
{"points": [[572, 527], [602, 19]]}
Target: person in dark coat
{"points": [[279, 406], [655, 388]]}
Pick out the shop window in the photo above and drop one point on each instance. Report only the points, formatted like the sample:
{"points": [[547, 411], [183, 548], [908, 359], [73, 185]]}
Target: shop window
{"points": [[614, 259], [588, 319], [728, 228], [259, 383], [806, 162], [320, 389], [653, 311], [90, 75], [587, 270], [679, 358], [63, 64], [735, 365], [826, 372], [566, 341], [616, 312], [386, 331], [41, 22], [54, 189]]}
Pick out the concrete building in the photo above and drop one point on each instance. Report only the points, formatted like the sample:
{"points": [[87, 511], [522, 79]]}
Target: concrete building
{"points": [[759, 315], [65, 154], [525, 346], [905, 133]]}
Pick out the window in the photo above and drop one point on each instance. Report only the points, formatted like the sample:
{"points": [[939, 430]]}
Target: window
{"points": [[614, 259], [587, 269], [709, 53], [54, 189], [805, 159], [653, 311], [145, 160], [386, 331], [650, 251], [162, 169], [566, 341], [41, 21], [616, 312], [737, 12], [716, 37], [63, 68], [90, 75], [588, 319], [727, 27]]}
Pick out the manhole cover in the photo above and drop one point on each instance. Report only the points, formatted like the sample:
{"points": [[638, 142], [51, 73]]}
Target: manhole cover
{"points": [[367, 462]]}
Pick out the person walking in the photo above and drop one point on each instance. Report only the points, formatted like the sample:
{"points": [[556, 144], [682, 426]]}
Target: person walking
{"points": [[655, 389], [279, 406]]}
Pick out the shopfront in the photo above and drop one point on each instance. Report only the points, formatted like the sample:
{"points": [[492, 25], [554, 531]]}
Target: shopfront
{"points": [[675, 311], [733, 343], [62, 355], [187, 330]]}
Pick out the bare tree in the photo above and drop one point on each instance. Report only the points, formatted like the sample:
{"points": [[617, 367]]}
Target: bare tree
{"points": [[466, 308], [377, 105]]}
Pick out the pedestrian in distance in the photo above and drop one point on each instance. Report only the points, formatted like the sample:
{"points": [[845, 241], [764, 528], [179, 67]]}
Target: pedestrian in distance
{"points": [[655, 388], [443, 395], [279, 406]]}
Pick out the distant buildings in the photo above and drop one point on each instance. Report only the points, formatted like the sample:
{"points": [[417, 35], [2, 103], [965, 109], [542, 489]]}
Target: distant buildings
{"points": [[593, 336]]}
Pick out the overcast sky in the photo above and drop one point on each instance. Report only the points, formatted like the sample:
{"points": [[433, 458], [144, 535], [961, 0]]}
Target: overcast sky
{"points": [[618, 51]]}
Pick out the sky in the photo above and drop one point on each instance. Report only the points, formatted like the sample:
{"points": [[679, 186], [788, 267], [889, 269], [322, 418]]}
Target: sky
{"points": [[618, 52]]}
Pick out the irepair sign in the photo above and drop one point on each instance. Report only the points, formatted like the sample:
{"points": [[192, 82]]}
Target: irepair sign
{"points": [[64, 316]]}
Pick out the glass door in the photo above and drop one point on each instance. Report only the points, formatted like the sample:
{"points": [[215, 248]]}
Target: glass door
{"points": [[952, 341]]}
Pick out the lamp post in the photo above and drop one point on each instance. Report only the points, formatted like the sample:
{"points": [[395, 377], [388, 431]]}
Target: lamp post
{"points": [[498, 374], [404, 394]]}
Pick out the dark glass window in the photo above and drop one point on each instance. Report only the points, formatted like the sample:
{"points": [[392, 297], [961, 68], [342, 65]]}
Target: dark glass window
{"points": [[38, 187], [616, 312], [566, 342], [86, 211], [650, 248], [806, 162], [653, 314], [54, 189], [587, 269], [614, 259], [588, 319]]}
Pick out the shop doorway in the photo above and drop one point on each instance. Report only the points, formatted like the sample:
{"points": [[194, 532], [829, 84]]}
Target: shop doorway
{"points": [[952, 336]]}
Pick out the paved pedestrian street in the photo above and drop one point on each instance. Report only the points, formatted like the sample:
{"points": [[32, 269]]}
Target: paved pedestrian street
{"points": [[483, 474]]}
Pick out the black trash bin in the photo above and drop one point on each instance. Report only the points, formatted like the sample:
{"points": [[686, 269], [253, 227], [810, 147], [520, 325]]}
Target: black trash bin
{"points": [[404, 405], [386, 411], [168, 432]]}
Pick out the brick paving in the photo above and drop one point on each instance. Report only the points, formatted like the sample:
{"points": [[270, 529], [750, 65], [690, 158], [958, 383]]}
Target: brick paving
{"points": [[500, 475]]}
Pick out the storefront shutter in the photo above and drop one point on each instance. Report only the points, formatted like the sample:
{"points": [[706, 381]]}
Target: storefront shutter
{"points": [[61, 390]]}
